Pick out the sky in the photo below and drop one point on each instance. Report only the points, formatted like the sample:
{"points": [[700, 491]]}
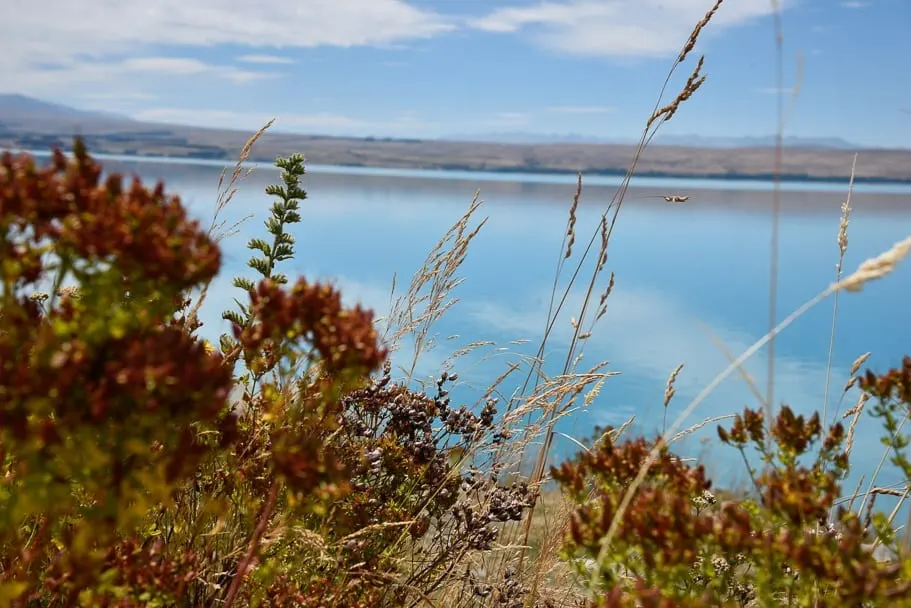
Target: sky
{"points": [[436, 68]]}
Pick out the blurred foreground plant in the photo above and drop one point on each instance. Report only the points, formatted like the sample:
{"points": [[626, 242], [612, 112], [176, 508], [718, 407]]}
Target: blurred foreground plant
{"points": [[130, 478]]}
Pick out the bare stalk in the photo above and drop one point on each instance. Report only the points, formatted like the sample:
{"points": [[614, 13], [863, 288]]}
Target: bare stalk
{"points": [[842, 242], [253, 545]]}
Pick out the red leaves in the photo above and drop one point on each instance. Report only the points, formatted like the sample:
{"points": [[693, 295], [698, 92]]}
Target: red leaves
{"points": [[141, 231], [162, 372], [667, 526], [344, 338], [896, 383]]}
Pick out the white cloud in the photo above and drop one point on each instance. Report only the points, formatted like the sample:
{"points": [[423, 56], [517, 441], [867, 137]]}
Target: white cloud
{"points": [[254, 58], [855, 4], [581, 109], [179, 66], [510, 119], [323, 122], [83, 34], [619, 28], [84, 76], [125, 96], [243, 120]]}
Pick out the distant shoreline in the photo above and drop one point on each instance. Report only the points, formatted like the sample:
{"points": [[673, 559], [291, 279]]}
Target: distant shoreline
{"points": [[800, 164], [462, 172]]}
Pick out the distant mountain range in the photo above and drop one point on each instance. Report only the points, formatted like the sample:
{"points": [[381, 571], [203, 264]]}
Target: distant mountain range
{"points": [[15, 105], [699, 141], [765, 141], [34, 124]]}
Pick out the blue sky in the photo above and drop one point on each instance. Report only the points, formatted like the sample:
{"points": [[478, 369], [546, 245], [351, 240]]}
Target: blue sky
{"points": [[430, 68]]}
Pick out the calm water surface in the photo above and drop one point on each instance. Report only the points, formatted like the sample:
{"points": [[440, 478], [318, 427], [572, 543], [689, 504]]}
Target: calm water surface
{"points": [[691, 281]]}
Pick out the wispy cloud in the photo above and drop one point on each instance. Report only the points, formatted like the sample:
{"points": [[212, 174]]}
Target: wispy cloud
{"points": [[316, 122], [80, 77], [617, 28], [854, 4], [510, 119], [125, 96], [179, 66], [107, 30], [269, 59], [581, 109], [242, 120]]}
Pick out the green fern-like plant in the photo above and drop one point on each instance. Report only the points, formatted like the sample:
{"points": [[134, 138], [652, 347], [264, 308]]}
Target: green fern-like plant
{"points": [[285, 211]]}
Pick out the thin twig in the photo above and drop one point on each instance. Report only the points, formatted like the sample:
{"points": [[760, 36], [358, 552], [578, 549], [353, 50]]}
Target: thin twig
{"points": [[253, 545]]}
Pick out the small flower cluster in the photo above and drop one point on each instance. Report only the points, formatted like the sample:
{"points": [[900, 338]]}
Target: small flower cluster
{"points": [[345, 339], [508, 593]]}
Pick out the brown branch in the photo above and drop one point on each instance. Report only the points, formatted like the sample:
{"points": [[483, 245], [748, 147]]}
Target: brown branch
{"points": [[258, 532]]}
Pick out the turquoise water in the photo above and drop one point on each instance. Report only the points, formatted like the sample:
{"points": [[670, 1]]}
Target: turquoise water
{"points": [[687, 277]]}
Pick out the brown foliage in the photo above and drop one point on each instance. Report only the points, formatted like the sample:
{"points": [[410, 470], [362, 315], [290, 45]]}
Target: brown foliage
{"points": [[675, 546]]}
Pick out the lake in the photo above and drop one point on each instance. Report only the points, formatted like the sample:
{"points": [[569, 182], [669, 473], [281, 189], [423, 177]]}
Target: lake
{"points": [[688, 277]]}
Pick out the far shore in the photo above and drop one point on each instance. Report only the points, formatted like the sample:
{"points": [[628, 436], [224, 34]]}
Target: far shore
{"points": [[673, 182], [799, 164]]}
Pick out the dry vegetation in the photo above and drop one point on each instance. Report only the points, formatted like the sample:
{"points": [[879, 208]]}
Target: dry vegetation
{"points": [[592, 158], [130, 478], [128, 137]]}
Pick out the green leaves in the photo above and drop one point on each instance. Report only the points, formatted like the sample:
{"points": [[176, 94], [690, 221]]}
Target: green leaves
{"points": [[283, 213]]}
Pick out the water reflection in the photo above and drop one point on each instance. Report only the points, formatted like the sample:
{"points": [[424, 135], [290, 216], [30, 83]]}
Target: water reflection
{"points": [[688, 278]]}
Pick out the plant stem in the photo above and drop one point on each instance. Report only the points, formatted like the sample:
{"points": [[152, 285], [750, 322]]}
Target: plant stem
{"points": [[253, 545]]}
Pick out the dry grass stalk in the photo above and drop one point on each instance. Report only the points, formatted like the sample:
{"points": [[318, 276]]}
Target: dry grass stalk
{"points": [[602, 303], [670, 391], [700, 425], [885, 492], [665, 114], [571, 224], [854, 367], [593, 393], [859, 361], [551, 396], [694, 35], [617, 200], [882, 462], [842, 242], [776, 211], [692, 85], [428, 296], [750, 382], [854, 495], [226, 194], [875, 268], [227, 191], [855, 411], [898, 505]]}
